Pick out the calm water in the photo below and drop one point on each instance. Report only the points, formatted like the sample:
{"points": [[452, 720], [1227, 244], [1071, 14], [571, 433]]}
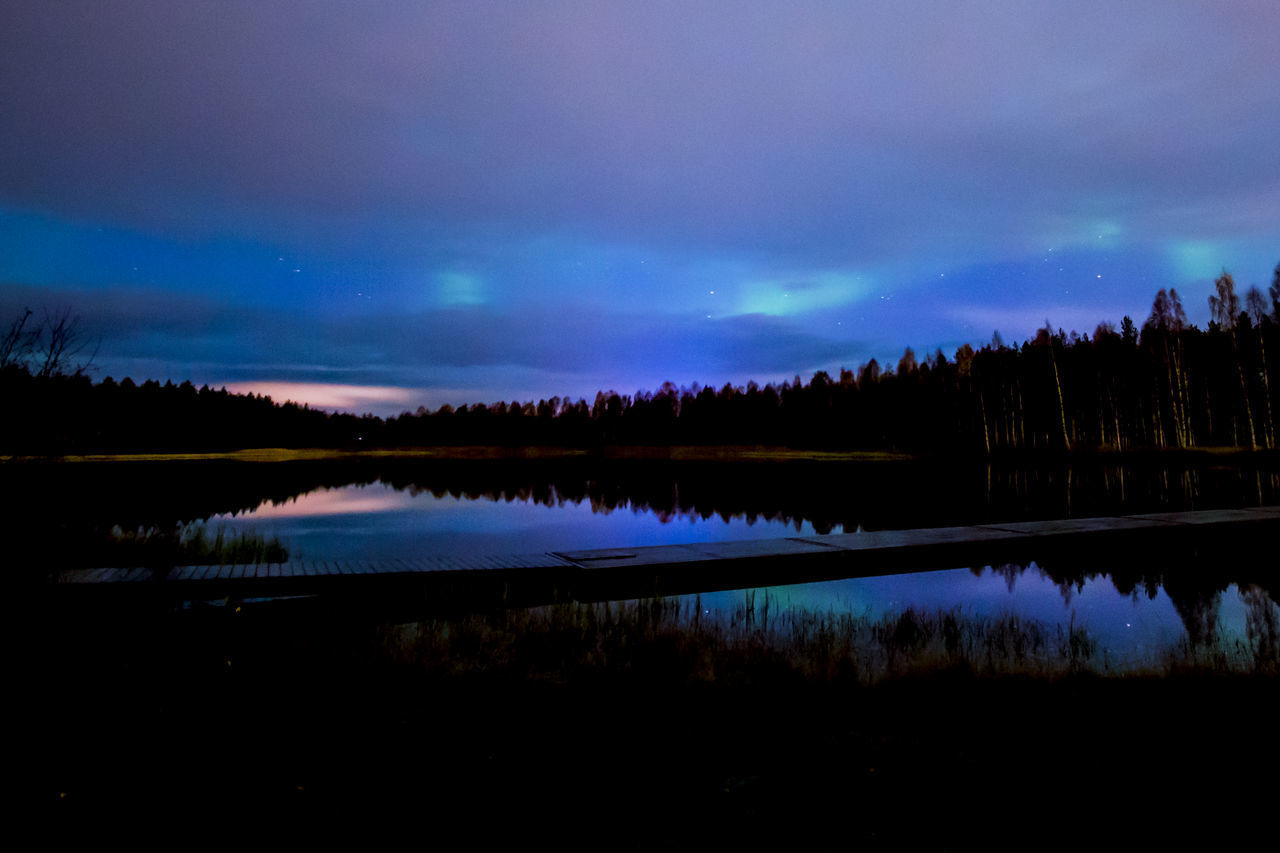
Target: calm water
{"points": [[1133, 629], [1132, 620], [379, 522]]}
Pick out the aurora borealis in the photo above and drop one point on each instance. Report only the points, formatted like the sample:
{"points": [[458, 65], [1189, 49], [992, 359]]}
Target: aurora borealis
{"points": [[377, 206]]}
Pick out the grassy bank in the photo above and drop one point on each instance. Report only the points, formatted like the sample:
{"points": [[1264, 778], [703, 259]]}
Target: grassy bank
{"points": [[645, 726], [678, 642]]}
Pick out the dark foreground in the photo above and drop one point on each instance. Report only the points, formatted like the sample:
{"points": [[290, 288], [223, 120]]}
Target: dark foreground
{"points": [[211, 721]]}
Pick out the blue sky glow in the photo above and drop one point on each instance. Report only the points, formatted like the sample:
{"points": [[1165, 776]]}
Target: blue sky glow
{"points": [[484, 201]]}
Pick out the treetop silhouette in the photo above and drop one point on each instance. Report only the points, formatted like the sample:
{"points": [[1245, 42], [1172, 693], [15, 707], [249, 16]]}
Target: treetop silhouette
{"points": [[1170, 385]]}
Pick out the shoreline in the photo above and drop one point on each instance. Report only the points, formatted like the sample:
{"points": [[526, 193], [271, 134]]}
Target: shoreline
{"points": [[676, 453], [232, 722]]}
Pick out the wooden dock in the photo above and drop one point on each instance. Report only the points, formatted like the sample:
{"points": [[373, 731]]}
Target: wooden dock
{"points": [[666, 569]]}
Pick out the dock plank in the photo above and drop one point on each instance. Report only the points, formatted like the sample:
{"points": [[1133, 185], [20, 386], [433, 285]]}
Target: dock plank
{"points": [[883, 540], [1054, 527], [744, 549], [654, 555], [1209, 517], [186, 573]]}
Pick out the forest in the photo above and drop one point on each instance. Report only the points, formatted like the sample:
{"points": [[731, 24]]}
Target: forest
{"points": [[1166, 384]]}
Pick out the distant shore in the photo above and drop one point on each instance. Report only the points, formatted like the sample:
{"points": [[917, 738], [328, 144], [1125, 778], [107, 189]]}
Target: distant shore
{"points": [[676, 453]]}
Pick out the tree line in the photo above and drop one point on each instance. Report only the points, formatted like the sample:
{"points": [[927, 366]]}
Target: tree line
{"points": [[1165, 384]]}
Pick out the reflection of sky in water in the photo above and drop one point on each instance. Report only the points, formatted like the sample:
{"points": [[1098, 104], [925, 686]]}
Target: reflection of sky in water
{"points": [[1131, 629], [377, 522], [1117, 621]]}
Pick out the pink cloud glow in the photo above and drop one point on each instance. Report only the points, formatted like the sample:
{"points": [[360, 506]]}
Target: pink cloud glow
{"points": [[380, 399]]}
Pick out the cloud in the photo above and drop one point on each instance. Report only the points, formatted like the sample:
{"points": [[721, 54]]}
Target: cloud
{"points": [[802, 294], [480, 196], [817, 130], [190, 337], [330, 396], [459, 288]]}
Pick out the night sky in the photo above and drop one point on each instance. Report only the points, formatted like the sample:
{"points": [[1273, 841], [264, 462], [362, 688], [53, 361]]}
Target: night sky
{"points": [[387, 205]]}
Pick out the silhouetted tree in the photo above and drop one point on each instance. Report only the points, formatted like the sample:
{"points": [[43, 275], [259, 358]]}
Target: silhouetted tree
{"points": [[1255, 305], [1256, 310], [1167, 313], [1128, 331], [1173, 385], [1274, 290], [1224, 305], [869, 373], [907, 364]]}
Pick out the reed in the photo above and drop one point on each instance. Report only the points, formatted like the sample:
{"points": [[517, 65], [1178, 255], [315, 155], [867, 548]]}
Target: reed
{"points": [[675, 640], [189, 544]]}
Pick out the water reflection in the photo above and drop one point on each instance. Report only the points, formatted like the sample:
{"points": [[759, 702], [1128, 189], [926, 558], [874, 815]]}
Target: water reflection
{"points": [[524, 505], [1137, 605], [344, 501], [380, 522], [1132, 630]]}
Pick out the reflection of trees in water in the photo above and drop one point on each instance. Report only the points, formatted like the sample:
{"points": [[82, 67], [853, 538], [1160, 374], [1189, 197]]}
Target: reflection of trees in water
{"points": [[848, 497], [1131, 581], [1010, 572], [1069, 583], [607, 498], [1193, 582], [1070, 589], [92, 498], [1262, 624], [1199, 613]]}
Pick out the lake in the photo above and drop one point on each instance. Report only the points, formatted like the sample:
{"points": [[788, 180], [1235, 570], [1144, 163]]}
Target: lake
{"points": [[393, 508], [1135, 613], [335, 708], [377, 521]]}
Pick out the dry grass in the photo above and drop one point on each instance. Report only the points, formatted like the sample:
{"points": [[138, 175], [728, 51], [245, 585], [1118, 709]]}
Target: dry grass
{"points": [[189, 545], [671, 640]]}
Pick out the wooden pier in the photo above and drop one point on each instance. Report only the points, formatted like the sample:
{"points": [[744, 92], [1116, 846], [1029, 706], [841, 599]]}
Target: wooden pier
{"points": [[668, 569]]}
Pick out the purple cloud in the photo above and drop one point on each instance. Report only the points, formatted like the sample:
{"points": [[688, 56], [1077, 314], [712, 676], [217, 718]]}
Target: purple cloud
{"points": [[492, 171]]}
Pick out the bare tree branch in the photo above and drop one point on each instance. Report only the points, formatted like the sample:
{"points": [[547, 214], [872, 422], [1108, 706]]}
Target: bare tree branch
{"points": [[60, 340], [18, 342]]}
